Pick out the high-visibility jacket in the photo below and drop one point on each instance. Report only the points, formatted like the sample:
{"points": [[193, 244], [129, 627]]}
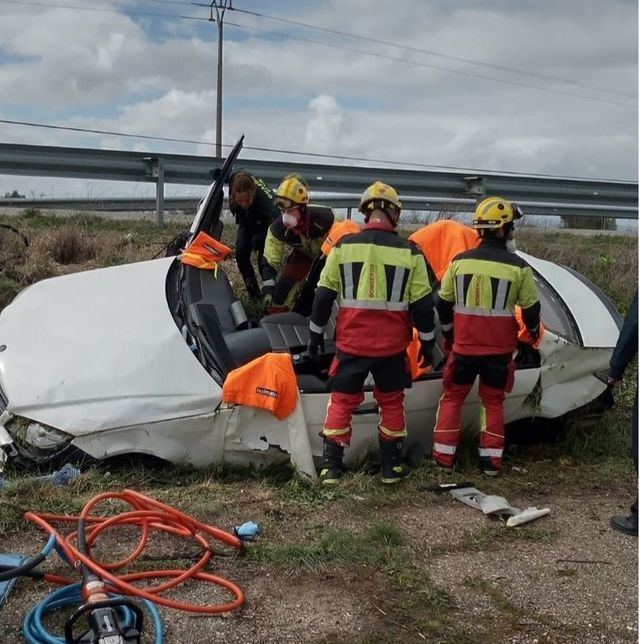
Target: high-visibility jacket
{"points": [[381, 282], [205, 252], [441, 241], [478, 296], [280, 239], [268, 382], [338, 231]]}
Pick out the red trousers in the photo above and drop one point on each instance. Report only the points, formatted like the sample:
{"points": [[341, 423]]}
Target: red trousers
{"points": [[496, 378], [348, 374]]}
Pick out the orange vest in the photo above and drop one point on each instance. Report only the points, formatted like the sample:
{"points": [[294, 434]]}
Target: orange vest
{"points": [[442, 240], [205, 252], [523, 333], [337, 232], [268, 382], [415, 357]]}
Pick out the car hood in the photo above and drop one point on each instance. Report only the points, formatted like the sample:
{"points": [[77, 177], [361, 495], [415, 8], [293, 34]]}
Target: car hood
{"points": [[100, 349], [597, 326]]}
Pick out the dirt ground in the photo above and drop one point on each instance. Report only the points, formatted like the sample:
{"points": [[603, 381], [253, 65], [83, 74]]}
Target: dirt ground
{"points": [[564, 578]]}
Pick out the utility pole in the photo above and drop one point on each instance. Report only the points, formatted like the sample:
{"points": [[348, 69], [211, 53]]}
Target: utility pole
{"points": [[220, 6]]}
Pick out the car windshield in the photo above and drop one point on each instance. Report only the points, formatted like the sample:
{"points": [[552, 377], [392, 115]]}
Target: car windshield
{"points": [[554, 312]]}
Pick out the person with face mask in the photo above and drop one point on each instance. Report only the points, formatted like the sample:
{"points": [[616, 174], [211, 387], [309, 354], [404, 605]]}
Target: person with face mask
{"points": [[251, 203], [477, 309], [294, 240]]}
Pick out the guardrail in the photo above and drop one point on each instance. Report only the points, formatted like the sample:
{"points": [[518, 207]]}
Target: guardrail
{"points": [[420, 189]]}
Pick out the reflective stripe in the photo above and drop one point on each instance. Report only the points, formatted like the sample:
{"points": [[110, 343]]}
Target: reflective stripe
{"points": [[268, 283], [315, 328], [444, 449], [398, 279], [501, 294], [392, 433], [490, 451], [335, 432], [460, 299], [348, 280], [375, 304], [487, 313], [447, 327], [429, 335]]}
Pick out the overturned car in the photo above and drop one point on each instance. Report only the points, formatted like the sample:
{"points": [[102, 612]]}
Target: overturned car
{"points": [[131, 360]]}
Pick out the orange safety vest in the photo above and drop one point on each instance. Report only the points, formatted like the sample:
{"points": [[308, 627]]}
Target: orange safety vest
{"points": [[268, 382], [205, 252], [442, 240], [523, 332], [414, 353], [337, 232]]}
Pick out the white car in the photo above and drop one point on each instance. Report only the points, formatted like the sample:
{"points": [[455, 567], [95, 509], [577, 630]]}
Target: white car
{"points": [[131, 360]]}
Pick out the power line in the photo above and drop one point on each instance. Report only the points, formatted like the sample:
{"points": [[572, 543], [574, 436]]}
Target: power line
{"points": [[431, 66], [469, 61], [291, 152], [29, 3], [332, 46]]}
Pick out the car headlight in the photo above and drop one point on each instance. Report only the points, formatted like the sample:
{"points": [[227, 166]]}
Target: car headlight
{"points": [[37, 435]]}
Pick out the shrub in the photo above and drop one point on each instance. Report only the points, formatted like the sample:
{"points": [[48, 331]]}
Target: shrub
{"points": [[69, 245]]}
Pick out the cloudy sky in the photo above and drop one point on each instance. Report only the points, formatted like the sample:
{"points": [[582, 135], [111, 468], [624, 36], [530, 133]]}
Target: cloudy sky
{"points": [[531, 86]]}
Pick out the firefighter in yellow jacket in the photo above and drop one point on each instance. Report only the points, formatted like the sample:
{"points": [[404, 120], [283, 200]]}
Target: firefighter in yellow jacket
{"points": [[476, 307], [294, 241], [381, 283]]}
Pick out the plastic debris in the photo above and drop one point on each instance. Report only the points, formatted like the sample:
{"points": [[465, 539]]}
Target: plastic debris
{"points": [[247, 531], [65, 475], [3, 482], [497, 506]]}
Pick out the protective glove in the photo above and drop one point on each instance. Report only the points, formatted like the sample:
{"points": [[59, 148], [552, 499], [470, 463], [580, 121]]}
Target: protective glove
{"points": [[612, 382], [316, 342], [267, 296], [534, 334], [427, 351]]}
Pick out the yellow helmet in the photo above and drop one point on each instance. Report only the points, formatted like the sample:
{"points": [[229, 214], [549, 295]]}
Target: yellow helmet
{"points": [[493, 212], [380, 195], [292, 191]]}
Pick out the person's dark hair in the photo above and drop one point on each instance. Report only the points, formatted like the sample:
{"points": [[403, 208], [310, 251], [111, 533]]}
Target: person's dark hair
{"points": [[242, 182]]}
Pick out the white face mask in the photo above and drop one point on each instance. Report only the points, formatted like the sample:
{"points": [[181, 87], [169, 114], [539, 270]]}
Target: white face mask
{"points": [[511, 245], [290, 221]]}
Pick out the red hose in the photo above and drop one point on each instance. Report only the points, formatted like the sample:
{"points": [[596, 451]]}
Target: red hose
{"points": [[148, 514]]}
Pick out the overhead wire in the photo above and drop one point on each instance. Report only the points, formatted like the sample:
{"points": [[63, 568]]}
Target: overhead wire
{"points": [[332, 46], [320, 155]]}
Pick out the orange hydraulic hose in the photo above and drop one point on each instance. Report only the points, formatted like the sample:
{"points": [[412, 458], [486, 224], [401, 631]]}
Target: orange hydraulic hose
{"points": [[148, 514]]}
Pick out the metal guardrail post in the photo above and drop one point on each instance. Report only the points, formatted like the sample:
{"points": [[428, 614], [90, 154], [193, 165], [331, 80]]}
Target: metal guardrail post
{"points": [[474, 186], [156, 170]]}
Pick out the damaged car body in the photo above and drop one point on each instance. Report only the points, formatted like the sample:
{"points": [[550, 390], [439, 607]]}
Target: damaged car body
{"points": [[131, 360]]}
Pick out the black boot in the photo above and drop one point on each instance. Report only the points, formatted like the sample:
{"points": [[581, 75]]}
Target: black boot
{"points": [[628, 524], [331, 468], [394, 469]]}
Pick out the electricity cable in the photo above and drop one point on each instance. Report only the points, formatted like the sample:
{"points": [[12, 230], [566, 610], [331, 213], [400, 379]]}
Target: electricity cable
{"points": [[402, 164]]}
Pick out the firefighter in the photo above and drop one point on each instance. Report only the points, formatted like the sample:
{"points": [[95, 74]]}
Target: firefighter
{"points": [[251, 202], [382, 286], [476, 307], [299, 230]]}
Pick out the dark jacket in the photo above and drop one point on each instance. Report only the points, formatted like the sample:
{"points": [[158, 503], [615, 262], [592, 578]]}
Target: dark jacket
{"points": [[627, 345], [261, 213]]}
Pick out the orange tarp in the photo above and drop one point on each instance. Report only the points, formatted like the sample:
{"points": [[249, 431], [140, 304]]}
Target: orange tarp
{"points": [[442, 240], [337, 232], [205, 252], [268, 382]]}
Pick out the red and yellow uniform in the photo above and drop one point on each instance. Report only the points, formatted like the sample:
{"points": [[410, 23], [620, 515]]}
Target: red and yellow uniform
{"points": [[477, 301], [382, 285]]}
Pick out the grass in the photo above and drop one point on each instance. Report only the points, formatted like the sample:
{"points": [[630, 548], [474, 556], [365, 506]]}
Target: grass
{"points": [[350, 527]]}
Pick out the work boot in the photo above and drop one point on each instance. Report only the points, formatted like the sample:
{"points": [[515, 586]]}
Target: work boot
{"points": [[487, 467], [628, 525], [331, 468], [394, 469]]}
